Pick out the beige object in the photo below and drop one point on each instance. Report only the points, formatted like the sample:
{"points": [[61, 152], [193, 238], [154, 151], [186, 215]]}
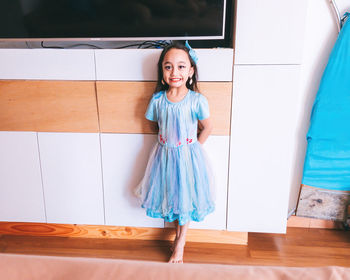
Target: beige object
{"points": [[16, 267]]}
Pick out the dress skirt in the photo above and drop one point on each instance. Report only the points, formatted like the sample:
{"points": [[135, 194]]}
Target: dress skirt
{"points": [[178, 184]]}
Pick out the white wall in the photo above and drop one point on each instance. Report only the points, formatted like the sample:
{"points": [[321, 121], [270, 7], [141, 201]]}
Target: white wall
{"points": [[320, 35]]}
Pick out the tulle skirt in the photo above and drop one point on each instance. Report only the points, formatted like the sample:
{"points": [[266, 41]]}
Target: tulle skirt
{"points": [[178, 184]]}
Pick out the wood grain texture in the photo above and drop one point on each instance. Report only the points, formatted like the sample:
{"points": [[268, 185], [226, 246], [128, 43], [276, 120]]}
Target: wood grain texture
{"points": [[323, 204], [133, 233], [60, 106], [122, 105], [71, 106], [304, 222], [299, 247]]}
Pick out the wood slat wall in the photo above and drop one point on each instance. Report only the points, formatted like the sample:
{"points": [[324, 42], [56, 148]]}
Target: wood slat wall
{"points": [[89, 106]]}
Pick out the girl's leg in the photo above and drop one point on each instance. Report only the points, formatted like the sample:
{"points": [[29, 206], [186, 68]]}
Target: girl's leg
{"points": [[177, 255], [177, 231]]}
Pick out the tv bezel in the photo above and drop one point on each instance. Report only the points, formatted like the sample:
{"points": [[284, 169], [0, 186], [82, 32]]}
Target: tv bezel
{"points": [[125, 39]]}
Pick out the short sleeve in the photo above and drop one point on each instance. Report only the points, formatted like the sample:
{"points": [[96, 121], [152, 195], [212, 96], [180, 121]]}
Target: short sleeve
{"points": [[203, 108], [151, 113]]}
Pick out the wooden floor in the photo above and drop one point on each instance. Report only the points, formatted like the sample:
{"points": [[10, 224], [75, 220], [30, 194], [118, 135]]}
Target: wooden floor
{"points": [[299, 247]]}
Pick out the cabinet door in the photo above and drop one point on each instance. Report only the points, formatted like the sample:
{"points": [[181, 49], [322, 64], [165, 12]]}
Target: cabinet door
{"points": [[72, 177], [270, 31], [141, 64], [21, 194], [217, 150], [263, 144], [47, 64], [124, 160]]}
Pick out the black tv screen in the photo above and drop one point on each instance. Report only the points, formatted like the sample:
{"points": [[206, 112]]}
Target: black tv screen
{"points": [[112, 19]]}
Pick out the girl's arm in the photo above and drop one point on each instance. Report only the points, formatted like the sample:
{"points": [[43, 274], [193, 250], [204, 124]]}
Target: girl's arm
{"points": [[207, 129], [153, 126]]}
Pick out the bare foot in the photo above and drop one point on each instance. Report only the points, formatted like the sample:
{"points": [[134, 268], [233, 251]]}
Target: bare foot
{"points": [[177, 255]]}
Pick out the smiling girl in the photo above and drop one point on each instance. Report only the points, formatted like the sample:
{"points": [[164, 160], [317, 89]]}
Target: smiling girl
{"points": [[177, 186]]}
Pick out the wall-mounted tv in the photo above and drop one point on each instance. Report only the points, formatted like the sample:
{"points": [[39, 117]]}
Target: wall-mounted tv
{"points": [[123, 20]]}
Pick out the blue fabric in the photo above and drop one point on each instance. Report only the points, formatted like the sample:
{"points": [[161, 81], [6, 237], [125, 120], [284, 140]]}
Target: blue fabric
{"points": [[177, 184], [203, 108], [177, 121], [327, 161]]}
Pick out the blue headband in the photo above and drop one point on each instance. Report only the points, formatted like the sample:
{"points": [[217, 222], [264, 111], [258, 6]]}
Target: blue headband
{"points": [[191, 52]]}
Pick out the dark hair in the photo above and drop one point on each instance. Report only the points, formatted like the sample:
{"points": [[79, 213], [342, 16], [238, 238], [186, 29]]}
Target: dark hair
{"points": [[180, 46]]}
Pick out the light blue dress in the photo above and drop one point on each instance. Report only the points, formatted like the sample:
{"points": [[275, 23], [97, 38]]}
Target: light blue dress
{"points": [[178, 184], [327, 160]]}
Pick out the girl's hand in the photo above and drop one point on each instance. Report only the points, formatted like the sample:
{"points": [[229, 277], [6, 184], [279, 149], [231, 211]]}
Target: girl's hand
{"points": [[205, 132]]}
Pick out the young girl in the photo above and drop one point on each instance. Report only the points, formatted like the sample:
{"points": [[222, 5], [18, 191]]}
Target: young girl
{"points": [[177, 186]]}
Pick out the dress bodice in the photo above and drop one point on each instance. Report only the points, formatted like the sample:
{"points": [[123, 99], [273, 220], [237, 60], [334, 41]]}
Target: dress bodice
{"points": [[177, 121]]}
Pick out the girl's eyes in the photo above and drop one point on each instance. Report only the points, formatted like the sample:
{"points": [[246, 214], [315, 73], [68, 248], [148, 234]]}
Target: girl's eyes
{"points": [[168, 67]]}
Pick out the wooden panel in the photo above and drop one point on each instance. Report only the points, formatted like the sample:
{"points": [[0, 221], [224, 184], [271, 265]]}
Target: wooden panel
{"points": [[219, 96], [302, 222], [99, 231], [48, 106], [313, 250], [21, 193], [122, 106]]}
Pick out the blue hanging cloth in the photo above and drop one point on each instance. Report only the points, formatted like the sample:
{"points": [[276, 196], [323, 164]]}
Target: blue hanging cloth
{"points": [[327, 161]]}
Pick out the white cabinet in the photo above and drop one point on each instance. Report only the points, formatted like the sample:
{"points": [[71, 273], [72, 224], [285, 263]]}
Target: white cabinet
{"points": [[124, 159], [21, 196], [263, 145], [72, 177], [47, 64], [141, 64], [217, 151], [127, 65], [270, 31]]}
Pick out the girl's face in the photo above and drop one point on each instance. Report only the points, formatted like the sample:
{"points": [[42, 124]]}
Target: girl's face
{"points": [[177, 68]]}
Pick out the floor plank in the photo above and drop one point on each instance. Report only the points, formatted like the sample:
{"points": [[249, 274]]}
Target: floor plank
{"points": [[299, 247]]}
